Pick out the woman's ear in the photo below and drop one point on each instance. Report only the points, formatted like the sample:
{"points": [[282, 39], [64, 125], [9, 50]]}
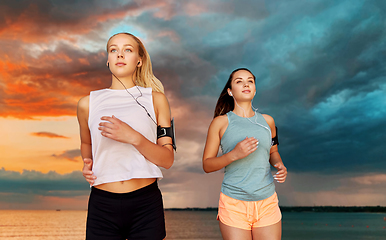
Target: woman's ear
{"points": [[230, 92], [107, 64], [139, 64]]}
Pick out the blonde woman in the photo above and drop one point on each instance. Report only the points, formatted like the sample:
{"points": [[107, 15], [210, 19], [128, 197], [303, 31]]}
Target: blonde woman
{"points": [[120, 148]]}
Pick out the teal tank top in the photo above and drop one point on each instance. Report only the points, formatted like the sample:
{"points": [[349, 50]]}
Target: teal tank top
{"points": [[249, 178]]}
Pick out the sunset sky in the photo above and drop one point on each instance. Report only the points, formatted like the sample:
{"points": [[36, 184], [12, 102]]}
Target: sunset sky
{"points": [[320, 70]]}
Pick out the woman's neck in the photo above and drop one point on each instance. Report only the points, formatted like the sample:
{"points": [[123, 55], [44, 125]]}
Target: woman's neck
{"points": [[243, 109], [122, 83]]}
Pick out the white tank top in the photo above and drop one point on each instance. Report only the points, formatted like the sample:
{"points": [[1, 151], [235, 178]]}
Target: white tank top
{"points": [[115, 161]]}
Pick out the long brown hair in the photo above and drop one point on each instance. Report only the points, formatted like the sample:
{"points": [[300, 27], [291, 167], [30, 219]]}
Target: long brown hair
{"points": [[225, 103], [144, 75]]}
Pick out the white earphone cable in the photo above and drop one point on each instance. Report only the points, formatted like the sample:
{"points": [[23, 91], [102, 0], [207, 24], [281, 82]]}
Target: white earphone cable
{"points": [[255, 120]]}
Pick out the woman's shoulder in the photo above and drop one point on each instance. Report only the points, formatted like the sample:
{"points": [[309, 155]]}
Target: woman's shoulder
{"points": [[84, 102], [160, 103], [218, 125], [158, 95], [83, 107], [269, 120], [159, 98], [220, 121], [267, 117]]}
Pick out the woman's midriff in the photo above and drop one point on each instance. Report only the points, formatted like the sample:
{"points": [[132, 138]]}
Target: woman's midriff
{"points": [[126, 186]]}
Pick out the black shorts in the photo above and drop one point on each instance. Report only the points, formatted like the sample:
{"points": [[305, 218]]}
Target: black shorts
{"points": [[118, 216]]}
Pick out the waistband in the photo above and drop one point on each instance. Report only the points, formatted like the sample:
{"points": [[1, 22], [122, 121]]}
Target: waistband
{"points": [[139, 192]]}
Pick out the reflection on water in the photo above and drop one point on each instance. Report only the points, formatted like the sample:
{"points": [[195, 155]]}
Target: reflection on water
{"points": [[42, 225], [195, 225], [189, 225], [71, 225]]}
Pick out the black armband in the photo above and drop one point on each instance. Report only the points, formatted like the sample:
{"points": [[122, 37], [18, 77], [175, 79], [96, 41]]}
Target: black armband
{"points": [[275, 140], [167, 132]]}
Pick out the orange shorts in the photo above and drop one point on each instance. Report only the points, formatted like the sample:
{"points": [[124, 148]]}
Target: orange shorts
{"points": [[248, 214]]}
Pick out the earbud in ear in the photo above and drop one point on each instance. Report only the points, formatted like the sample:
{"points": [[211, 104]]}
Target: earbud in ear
{"points": [[138, 62], [108, 64], [230, 93]]}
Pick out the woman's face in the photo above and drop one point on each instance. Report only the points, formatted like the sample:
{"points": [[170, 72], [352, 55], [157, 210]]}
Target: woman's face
{"points": [[123, 57], [243, 85]]}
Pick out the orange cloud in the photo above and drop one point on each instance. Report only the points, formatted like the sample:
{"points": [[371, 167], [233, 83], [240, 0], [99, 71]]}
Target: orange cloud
{"points": [[8, 66], [39, 107], [47, 134], [20, 88], [84, 61], [70, 155], [51, 84], [61, 56]]}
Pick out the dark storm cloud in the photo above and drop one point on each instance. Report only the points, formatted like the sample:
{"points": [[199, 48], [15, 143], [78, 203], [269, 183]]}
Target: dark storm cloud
{"points": [[46, 20], [302, 61], [44, 184], [333, 97]]}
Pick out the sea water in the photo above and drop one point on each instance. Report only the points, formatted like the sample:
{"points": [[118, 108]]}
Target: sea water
{"points": [[195, 225], [334, 226]]}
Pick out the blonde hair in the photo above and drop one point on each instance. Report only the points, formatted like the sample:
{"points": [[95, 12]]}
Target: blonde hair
{"points": [[144, 76]]}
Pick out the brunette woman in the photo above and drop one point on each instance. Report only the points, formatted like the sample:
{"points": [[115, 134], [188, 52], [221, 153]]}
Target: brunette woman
{"points": [[248, 206]]}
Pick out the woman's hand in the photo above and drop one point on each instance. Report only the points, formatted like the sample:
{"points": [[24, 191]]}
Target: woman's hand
{"points": [[117, 130], [244, 148], [281, 174], [87, 173]]}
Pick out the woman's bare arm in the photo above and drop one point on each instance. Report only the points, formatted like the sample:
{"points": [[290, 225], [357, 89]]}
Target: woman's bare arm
{"points": [[85, 139], [275, 159]]}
